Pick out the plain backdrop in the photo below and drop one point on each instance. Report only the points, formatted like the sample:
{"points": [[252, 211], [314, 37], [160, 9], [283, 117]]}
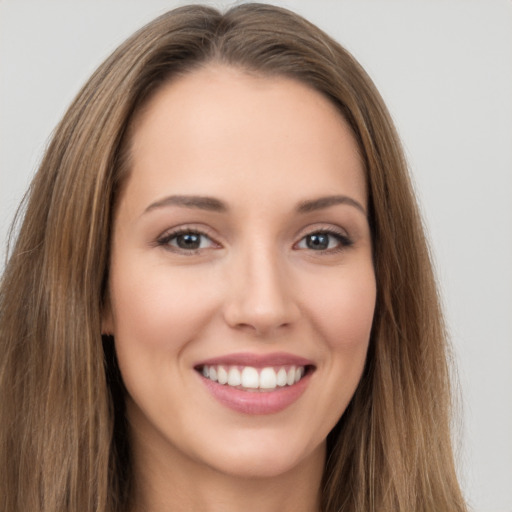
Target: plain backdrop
{"points": [[445, 70]]}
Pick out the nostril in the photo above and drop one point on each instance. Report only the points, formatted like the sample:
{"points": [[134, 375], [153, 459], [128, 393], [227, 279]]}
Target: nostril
{"points": [[260, 321]]}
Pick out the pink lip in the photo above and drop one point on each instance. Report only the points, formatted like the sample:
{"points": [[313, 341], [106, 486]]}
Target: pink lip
{"points": [[257, 360], [256, 402]]}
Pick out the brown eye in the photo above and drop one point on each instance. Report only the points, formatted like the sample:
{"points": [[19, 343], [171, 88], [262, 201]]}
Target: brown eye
{"points": [[188, 241]]}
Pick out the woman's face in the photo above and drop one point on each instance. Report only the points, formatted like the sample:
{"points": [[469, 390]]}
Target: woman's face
{"points": [[242, 288]]}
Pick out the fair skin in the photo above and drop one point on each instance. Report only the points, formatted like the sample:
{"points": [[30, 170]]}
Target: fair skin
{"points": [[273, 270]]}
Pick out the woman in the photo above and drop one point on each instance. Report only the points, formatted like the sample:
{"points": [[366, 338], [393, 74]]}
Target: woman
{"points": [[221, 295]]}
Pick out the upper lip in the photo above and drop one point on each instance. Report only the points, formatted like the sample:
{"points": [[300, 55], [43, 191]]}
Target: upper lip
{"points": [[256, 360]]}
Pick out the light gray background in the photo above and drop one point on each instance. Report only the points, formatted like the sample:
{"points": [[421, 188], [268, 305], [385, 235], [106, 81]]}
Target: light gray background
{"points": [[445, 71]]}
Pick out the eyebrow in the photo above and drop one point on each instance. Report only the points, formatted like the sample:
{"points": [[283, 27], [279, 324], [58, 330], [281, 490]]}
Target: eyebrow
{"points": [[199, 202], [216, 205], [327, 201]]}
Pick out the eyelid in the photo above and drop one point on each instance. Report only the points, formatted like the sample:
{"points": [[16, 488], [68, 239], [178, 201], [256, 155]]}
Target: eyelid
{"points": [[336, 231], [164, 239], [322, 227], [329, 229]]}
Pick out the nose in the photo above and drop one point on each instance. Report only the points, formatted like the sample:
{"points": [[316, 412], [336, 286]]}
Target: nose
{"points": [[260, 299]]}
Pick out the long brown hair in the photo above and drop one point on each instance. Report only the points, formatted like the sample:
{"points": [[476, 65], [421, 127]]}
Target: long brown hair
{"points": [[62, 438]]}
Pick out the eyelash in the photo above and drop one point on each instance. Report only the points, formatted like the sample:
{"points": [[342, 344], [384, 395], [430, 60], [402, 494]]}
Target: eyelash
{"points": [[342, 239], [164, 241]]}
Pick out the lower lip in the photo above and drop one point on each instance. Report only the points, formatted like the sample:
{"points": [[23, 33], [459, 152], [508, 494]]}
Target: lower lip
{"points": [[257, 402]]}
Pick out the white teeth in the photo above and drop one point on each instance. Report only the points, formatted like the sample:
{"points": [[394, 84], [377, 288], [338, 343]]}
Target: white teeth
{"points": [[222, 375], [290, 378], [250, 378], [247, 377], [281, 377], [268, 378], [234, 378]]}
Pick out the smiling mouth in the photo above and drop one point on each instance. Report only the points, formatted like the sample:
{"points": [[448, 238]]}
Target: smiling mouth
{"points": [[249, 378]]}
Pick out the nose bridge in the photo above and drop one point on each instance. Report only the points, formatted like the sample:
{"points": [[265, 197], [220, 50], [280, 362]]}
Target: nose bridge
{"points": [[260, 297]]}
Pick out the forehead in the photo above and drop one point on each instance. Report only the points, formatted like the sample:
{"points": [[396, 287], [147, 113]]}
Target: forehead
{"points": [[219, 125]]}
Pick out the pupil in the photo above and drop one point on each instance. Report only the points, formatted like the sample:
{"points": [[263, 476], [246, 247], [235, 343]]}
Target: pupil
{"points": [[318, 241], [189, 241]]}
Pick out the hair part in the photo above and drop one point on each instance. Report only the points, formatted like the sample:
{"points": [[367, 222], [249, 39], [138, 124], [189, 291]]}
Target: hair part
{"points": [[63, 441]]}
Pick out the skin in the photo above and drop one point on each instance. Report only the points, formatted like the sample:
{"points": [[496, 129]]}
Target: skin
{"points": [[262, 146]]}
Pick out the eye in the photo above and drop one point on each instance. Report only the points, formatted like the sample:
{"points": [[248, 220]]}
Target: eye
{"points": [[324, 241], [186, 240]]}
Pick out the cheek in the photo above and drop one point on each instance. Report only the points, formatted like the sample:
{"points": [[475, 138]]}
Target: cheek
{"points": [[343, 309], [158, 307], [156, 315]]}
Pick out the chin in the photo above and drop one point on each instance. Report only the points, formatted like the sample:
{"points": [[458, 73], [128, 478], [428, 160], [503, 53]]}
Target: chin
{"points": [[269, 456]]}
